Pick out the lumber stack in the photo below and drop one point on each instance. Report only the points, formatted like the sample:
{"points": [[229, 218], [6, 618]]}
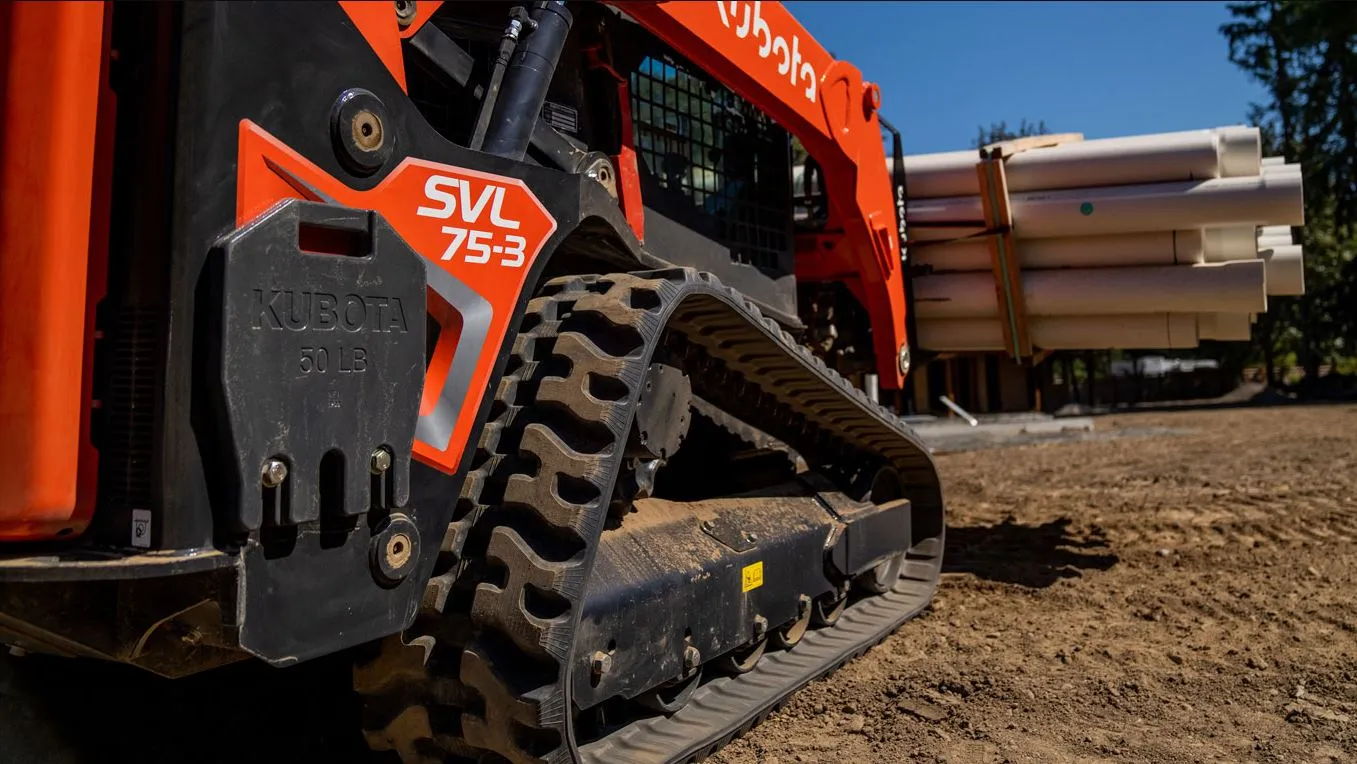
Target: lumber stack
{"points": [[1152, 241]]}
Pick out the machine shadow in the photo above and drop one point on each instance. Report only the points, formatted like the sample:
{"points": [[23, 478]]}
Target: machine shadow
{"points": [[84, 711], [1034, 556]]}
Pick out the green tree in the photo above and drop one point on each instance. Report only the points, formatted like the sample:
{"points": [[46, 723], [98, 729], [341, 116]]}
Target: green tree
{"points": [[1305, 54], [999, 131]]}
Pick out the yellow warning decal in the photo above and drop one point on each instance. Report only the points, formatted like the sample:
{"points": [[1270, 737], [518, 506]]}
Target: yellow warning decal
{"points": [[752, 576]]}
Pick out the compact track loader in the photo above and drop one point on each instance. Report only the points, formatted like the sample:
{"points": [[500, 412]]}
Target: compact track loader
{"points": [[484, 349]]}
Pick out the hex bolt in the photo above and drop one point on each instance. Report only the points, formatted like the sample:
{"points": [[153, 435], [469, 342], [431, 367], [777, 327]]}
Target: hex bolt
{"points": [[692, 658], [602, 663], [750, 537], [273, 473], [708, 525], [381, 461], [760, 626], [645, 477], [406, 10]]}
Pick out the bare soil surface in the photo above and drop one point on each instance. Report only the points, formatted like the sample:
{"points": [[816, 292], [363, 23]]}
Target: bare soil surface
{"points": [[1181, 594], [1181, 598]]}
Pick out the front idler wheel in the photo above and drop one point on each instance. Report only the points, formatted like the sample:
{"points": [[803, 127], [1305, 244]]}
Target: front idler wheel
{"points": [[882, 577]]}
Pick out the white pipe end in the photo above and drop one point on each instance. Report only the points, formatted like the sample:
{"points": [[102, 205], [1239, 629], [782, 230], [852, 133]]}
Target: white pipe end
{"points": [[1285, 268], [1183, 331], [1234, 243], [1241, 151], [1223, 327]]}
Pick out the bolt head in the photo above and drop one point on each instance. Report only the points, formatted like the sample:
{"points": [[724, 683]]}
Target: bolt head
{"points": [[381, 461], [406, 11], [871, 98], [273, 473], [904, 358], [645, 477], [692, 657], [602, 663], [707, 525], [760, 626], [750, 537]]}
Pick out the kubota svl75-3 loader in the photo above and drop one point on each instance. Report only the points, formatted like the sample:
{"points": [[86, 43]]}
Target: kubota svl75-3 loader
{"points": [[488, 344]]}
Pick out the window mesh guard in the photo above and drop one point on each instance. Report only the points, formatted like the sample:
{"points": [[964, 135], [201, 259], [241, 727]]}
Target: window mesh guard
{"points": [[699, 140]]}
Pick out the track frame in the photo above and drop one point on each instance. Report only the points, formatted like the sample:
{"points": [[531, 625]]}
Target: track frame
{"points": [[528, 543]]}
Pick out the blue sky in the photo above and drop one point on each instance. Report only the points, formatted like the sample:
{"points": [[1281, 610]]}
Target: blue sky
{"points": [[1100, 68]]}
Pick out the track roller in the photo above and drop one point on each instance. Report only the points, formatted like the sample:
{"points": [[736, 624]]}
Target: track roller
{"points": [[744, 659], [786, 637], [827, 609], [671, 696]]}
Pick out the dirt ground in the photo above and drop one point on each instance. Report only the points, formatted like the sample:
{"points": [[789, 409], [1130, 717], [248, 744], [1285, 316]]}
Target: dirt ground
{"points": [[1181, 598], [1184, 593]]}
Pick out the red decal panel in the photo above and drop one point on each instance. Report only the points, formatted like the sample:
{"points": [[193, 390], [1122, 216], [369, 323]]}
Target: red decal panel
{"points": [[484, 230]]}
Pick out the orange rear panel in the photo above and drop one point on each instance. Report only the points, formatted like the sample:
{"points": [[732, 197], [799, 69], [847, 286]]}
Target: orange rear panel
{"points": [[51, 54]]}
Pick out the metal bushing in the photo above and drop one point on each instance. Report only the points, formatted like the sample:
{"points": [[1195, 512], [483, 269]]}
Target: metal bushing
{"points": [[598, 168], [362, 132], [394, 550]]}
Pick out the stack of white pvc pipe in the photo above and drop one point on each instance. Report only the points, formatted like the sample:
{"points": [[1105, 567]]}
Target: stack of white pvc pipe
{"points": [[1142, 242]]}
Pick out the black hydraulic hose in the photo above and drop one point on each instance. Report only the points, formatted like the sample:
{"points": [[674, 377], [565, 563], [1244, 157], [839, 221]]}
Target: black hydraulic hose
{"points": [[507, 43], [519, 103]]}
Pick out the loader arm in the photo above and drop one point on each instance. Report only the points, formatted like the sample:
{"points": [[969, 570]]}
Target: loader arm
{"points": [[459, 347], [759, 50]]}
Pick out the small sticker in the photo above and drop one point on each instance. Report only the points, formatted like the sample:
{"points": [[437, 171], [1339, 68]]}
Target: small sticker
{"points": [[752, 576], [561, 117], [141, 528]]}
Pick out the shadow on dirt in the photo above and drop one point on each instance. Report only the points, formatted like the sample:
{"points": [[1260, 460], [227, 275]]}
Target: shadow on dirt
{"points": [[1331, 390], [65, 711], [1035, 556]]}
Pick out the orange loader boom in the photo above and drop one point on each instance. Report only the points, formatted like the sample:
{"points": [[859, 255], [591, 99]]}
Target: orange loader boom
{"points": [[483, 356]]}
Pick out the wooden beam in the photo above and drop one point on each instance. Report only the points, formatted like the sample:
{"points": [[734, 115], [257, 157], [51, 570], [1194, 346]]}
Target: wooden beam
{"points": [[1019, 145]]}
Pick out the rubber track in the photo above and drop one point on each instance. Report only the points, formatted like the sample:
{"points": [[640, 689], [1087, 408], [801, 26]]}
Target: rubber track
{"points": [[532, 511], [751, 436]]}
